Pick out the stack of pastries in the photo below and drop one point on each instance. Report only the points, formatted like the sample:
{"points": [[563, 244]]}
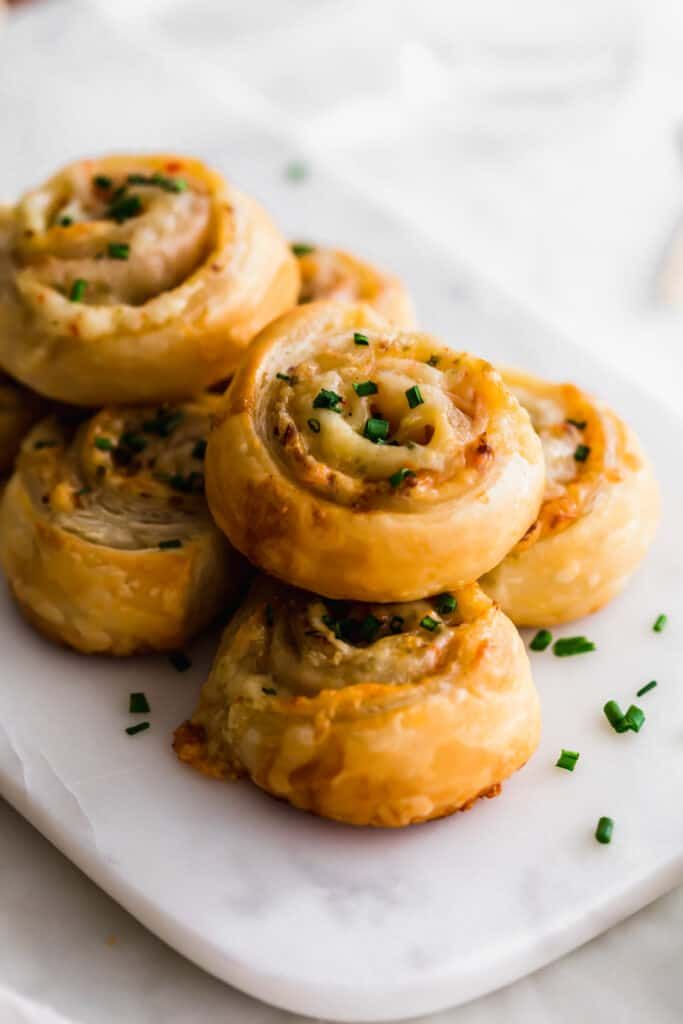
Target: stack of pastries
{"points": [[201, 417]]}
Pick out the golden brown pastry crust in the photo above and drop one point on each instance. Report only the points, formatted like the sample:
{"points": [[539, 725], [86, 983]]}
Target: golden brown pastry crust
{"points": [[382, 724], [599, 514], [19, 408], [307, 497], [337, 275], [204, 271], [105, 536]]}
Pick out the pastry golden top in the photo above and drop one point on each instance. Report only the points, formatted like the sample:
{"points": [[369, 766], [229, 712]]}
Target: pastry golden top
{"points": [[337, 275], [338, 426], [136, 278]]}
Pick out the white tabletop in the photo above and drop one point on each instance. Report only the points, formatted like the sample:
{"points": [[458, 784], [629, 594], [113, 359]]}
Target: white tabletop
{"points": [[566, 195]]}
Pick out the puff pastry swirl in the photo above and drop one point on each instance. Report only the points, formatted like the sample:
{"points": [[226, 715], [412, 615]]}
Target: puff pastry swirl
{"points": [[136, 279], [599, 514], [105, 536], [337, 275], [368, 463], [371, 715]]}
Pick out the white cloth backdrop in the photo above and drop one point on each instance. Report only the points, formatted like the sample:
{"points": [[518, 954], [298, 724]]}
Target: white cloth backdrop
{"points": [[540, 142]]}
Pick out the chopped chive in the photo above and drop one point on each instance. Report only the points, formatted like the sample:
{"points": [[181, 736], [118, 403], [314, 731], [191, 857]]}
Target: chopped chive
{"points": [[397, 478], [104, 444], [396, 623], [433, 360], [164, 423], [193, 483], [603, 832], [660, 623], [65, 222], [124, 207], [102, 181], [543, 639], [429, 623], [302, 248], [367, 387], [83, 491], [360, 339], [132, 441], [581, 452], [414, 396], [199, 450], [567, 760], [332, 625], [569, 645], [646, 689], [170, 545], [138, 704], [78, 289], [615, 716], [314, 425], [159, 180], [579, 424], [269, 691], [446, 604], [180, 661], [118, 250], [45, 444], [297, 170], [326, 399], [376, 430], [634, 718], [284, 376], [132, 730], [369, 628], [269, 615]]}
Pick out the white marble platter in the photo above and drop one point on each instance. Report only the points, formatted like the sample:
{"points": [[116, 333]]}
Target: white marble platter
{"points": [[359, 925]]}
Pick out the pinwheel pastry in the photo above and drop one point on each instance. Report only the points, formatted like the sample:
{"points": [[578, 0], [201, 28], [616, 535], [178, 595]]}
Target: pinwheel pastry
{"points": [[599, 513], [369, 714], [368, 463], [136, 279], [334, 274], [105, 535], [19, 409]]}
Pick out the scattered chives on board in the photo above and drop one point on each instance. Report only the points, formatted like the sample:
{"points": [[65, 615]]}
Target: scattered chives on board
{"points": [[568, 645], [567, 759], [603, 832], [132, 730], [659, 623], [138, 704], [646, 689], [543, 639]]}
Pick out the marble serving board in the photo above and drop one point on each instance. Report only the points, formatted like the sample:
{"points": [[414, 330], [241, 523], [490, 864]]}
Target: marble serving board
{"points": [[358, 924]]}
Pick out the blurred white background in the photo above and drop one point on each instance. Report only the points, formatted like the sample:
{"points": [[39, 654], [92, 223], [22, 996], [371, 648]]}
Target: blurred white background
{"points": [[540, 141]]}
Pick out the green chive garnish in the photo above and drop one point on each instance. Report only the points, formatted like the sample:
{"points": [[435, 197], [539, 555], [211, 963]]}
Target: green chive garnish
{"points": [[582, 452], [414, 396], [660, 623], [164, 423], [269, 691], [326, 399], [433, 361], [360, 339], [302, 248], [284, 376], [45, 444], [65, 222], [396, 623], [429, 623], [124, 207], [646, 689], [634, 718], [569, 645], [567, 760], [397, 478], [134, 442], [369, 628], [104, 444], [543, 639], [446, 604], [132, 730], [78, 289], [376, 430], [83, 491], [138, 704], [170, 545], [579, 424], [160, 180], [603, 832], [615, 716], [199, 450], [367, 387], [118, 250], [180, 661], [314, 425], [102, 181]]}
